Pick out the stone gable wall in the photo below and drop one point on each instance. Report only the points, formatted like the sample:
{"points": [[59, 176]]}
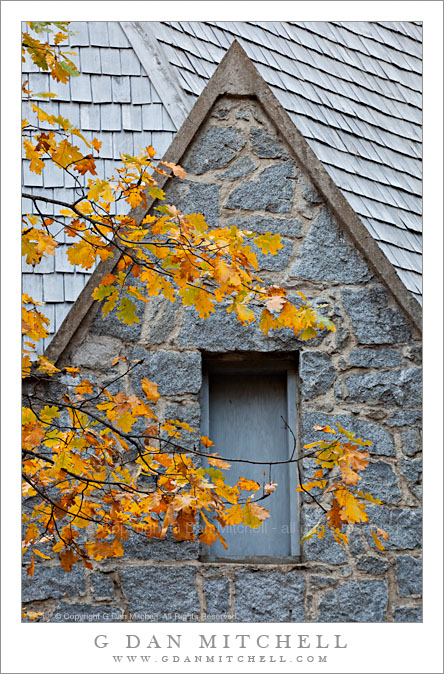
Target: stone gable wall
{"points": [[367, 376]]}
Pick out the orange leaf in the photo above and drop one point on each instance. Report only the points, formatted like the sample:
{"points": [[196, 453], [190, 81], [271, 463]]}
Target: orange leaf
{"points": [[325, 429], [67, 558], [382, 533], [376, 540], [150, 390], [96, 144], [248, 485], [214, 461], [30, 570]]}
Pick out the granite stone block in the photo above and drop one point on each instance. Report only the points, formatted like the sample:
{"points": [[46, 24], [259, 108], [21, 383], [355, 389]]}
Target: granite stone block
{"points": [[373, 321], [217, 594], [52, 582], [399, 387], [409, 575], [355, 601], [265, 145], [272, 190], [326, 254], [382, 440], [213, 149], [375, 358], [175, 373], [269, 596], [160, 594], [316, 372]]}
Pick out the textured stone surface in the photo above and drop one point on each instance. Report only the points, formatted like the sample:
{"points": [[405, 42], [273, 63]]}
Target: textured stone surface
{"points": [[259, 225], [405, 614], [321, 582], [173, 372], [269, 597], [139, 547], [161, 319], [316, 372], [193, 197], [382, 440], [414, 353], [405, 418], [326, 254], [111, 325], [97, 352], [411, 442], [239, 169], [375, 358], [315, 549], [308, 191], [102, 585], [275, 262], [355, 543], [381, 481], [217, 593], [271, 191], [412, 471], [364, 601], [373, 321], [409, 576], [371, 564], [222, 332], [52, 582], [213, 149], [403, 526], [160, 594], [265, 145], [85, 613], [399, 387]]}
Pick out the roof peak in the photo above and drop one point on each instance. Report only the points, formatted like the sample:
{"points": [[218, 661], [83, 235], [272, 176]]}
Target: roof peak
{"points": [[236, 75]]}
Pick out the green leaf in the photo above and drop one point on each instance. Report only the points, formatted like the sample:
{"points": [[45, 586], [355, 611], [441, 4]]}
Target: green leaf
{"points": [[311, 533], [324, 322], [127, 312], [71, 69], [163, 209], [308, 333], [156, 192], [40, 26], [102, 291], [351, 436]]}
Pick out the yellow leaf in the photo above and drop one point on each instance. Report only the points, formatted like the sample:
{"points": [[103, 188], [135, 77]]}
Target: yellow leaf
{"points": [[233, 515], [351, 509], [269, 243], [40, 554], [244, 314]]}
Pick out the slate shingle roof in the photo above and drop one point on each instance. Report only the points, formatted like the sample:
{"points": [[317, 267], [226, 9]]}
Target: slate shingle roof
{"points": [[353, 90]]}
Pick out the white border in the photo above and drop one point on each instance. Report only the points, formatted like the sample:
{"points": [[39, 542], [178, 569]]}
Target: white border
{"points": [[372, 647]]}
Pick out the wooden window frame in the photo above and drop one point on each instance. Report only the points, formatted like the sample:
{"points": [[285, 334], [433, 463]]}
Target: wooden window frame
{"points": [[260, 363]]}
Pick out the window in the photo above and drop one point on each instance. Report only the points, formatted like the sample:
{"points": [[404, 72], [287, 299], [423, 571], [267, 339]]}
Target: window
{"points": [[244, 405]]}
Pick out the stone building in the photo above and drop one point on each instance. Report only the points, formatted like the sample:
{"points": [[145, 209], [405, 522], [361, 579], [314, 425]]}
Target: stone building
{"points": [[343, 201]]}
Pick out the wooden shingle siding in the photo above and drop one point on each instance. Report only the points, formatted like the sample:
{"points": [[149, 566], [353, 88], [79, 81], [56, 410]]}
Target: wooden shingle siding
{"points": [[108, 100]]}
